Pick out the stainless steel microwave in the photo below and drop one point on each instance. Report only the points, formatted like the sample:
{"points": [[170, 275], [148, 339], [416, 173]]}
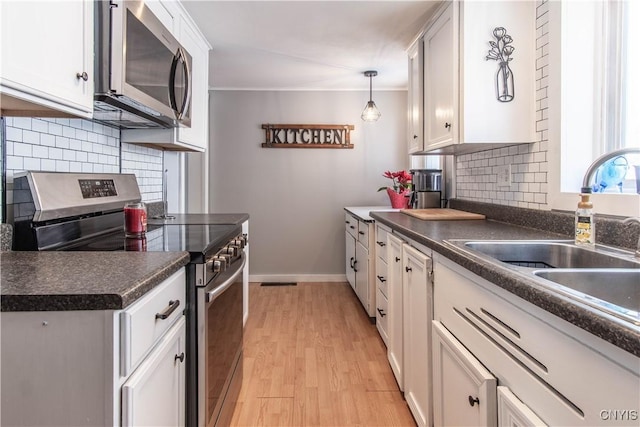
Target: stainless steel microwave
{"points": [[143, 75]]}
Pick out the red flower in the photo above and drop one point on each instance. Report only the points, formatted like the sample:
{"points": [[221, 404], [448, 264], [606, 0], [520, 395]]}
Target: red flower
{"points": [[401, 180]]}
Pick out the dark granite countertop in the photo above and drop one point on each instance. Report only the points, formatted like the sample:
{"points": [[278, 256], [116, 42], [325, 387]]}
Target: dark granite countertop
{"points": [[433, 234], [213, 218], [56, 281]]}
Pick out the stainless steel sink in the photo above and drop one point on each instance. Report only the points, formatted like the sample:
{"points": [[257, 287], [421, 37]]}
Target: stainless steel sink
{"points": [[551, 254], [618, 287], [605, 278]]}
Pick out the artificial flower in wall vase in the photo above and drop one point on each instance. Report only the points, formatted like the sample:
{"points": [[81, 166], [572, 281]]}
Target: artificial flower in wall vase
{"points": [[400, 190]]}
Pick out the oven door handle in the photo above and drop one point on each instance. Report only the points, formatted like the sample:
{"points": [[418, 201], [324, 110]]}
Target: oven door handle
{"points": [[212, 295]]}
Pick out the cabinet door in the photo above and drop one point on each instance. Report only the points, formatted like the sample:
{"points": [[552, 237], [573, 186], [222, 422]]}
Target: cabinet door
{"points": [[43, 47], [396, 312], [154, 395], [464, 391], [440, 81], [362, 278], [417, 345], [382, 316], [350, 257], [513, 413], [415, 97]]}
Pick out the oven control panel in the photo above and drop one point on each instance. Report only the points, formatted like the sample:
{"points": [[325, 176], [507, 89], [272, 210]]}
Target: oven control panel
{"points": [[92, 188]]}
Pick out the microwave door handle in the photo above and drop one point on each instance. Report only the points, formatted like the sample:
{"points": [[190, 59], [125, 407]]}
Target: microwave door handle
{"points": [[172, 84], [179, 57], [187, 85]]}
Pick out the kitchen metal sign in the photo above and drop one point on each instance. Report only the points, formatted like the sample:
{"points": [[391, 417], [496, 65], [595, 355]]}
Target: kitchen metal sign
{"points": [[307, 136]]}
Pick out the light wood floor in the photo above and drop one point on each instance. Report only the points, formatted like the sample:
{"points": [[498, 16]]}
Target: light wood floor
{"points": [[312, 358]]}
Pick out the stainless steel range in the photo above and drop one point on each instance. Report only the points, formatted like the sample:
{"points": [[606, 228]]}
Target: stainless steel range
{"points": [[85, 212]]}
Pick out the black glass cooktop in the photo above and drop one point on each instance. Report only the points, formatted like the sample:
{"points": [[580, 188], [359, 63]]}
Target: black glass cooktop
{"points": [[198, 239]]}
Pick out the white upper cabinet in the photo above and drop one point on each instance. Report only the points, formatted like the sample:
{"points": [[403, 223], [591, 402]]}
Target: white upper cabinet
{"points": [[440, 80], [415, 97], [196, 137], [462, 109], [46, 57]]}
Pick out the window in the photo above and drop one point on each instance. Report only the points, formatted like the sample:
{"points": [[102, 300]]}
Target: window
{"points": [[577, 38], [600, 92]]}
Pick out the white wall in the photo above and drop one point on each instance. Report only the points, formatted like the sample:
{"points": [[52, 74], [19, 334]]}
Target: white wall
{"points": [[295, 197]]}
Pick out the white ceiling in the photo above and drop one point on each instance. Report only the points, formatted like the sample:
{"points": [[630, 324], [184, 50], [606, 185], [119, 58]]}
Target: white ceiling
{"points": [[308, 45]]}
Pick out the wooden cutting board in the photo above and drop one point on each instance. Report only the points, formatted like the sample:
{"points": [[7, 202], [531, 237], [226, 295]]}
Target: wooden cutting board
{"points": [[441, 214]]}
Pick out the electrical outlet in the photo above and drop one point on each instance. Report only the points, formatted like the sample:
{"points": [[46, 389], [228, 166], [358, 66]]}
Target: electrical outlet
{"points": [[503, 173]]}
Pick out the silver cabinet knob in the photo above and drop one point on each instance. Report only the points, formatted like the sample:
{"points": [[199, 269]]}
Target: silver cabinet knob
{"points": [[84, 76]]}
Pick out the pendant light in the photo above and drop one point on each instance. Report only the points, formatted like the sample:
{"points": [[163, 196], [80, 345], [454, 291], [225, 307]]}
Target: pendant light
{"points": [[370, 112]]}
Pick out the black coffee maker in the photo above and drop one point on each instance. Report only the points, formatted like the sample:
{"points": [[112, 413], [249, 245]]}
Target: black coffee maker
{"points": [[427, 184]]}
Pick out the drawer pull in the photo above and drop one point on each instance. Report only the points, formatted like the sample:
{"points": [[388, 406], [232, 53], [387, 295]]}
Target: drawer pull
{"points": [[381, 244], [351, 263], [179, 357], [408, 269], [381, 278], [382, 313], [361, 232], [173, 304], [397, 259], [352, 227], [473, 401], [354, 265]]}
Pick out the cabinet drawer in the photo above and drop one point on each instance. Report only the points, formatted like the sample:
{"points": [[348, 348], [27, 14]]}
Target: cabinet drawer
{"points": [[382, 316], [363, 233], [381, 242], [381, 276], [144, 323], [351, 225]]}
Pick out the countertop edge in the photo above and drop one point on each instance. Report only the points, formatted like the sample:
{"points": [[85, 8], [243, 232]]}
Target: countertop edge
{"points": [[568, 310], [93, 301]]}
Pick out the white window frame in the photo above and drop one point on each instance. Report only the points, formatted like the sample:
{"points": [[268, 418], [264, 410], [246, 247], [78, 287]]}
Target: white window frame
{"points": [[559, 154]]}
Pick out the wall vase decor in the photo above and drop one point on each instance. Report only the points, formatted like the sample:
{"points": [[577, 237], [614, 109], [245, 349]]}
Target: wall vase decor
{"points": [[501, 50]]}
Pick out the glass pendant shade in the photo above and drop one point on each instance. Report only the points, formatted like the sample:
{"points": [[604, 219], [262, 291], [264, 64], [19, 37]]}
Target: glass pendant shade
{"points": [[370, 112]]}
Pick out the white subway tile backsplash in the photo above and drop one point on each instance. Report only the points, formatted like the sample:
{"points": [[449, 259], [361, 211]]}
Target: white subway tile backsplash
{"points": [[48, 165], [77, 145], [22, 150]]}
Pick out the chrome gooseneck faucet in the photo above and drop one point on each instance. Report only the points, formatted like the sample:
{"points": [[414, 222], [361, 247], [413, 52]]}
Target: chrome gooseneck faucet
{"points": [[588, 176]]}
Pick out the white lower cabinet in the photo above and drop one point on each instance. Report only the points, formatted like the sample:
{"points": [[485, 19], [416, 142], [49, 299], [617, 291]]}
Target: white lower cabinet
{"points": [[382, 301], [561, 374], [513, 413], [93, 367], [382, 316], [464, 391], [154, 394], [417, 315], [395, 345], [350, 257], [360, 261], [362, 268]]}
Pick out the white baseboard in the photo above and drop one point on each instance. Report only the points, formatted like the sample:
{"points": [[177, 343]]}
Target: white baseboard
{"points": [[297, 278]]}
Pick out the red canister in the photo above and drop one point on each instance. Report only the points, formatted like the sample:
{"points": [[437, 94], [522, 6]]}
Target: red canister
{"points": [[135, 219]]}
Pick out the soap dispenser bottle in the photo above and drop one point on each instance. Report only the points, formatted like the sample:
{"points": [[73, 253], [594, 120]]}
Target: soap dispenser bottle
{"points": [[585, 227]]}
